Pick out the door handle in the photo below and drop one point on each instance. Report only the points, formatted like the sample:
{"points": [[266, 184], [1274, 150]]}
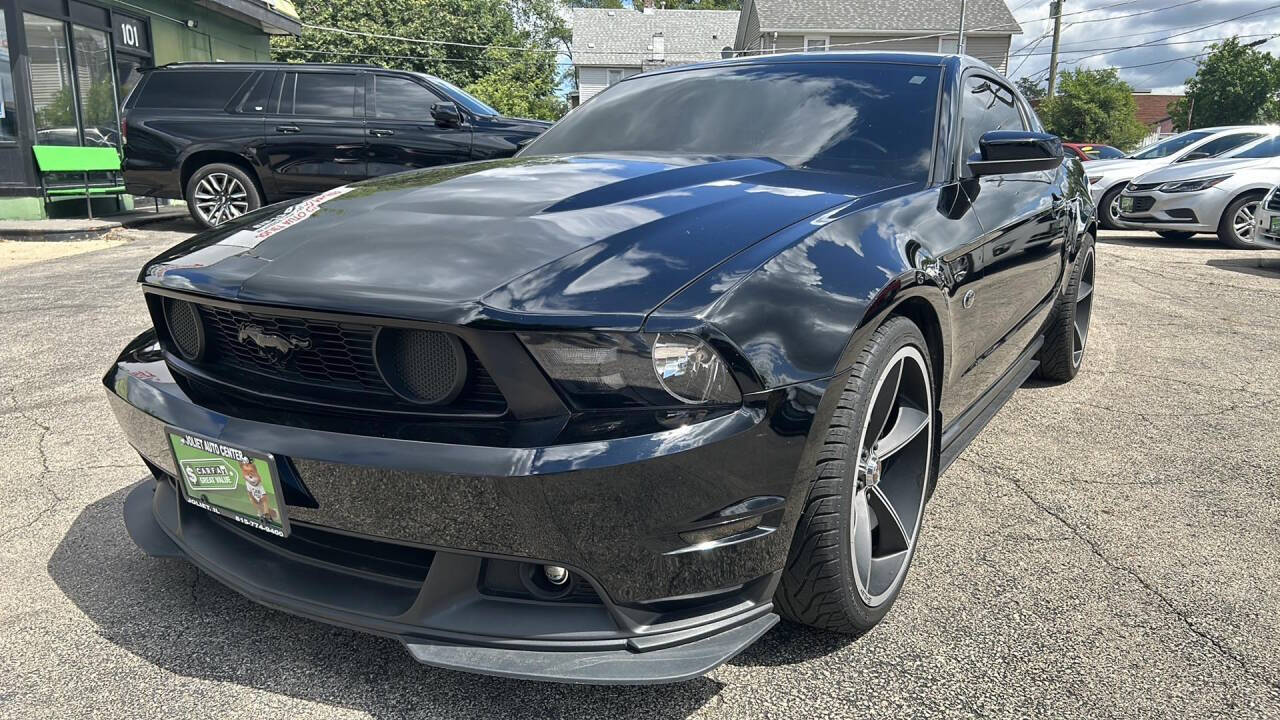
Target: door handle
{"points": [[288, 129], [381, 132]]}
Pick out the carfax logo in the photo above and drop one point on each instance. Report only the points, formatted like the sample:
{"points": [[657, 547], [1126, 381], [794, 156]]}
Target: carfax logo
{"points": [[209, 474]]}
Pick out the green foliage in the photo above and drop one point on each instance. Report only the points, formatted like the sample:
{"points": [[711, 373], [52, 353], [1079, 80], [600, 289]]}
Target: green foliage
{"points": [[1234, 85], [1093, 106], [1031, 89], [513, 81], [597, 4], [703, 5]]}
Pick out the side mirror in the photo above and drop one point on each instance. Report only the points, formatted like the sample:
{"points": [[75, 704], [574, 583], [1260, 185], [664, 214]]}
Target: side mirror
{"points": [[1197, 155], [446, 114], [1007, 152]]}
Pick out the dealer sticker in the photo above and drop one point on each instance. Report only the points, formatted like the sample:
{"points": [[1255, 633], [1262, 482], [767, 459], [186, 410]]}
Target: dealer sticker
{"points": [[230, 481]]}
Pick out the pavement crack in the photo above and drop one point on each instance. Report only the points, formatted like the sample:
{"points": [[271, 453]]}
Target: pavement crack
{"points": [[1214, 642], [43, 457]]}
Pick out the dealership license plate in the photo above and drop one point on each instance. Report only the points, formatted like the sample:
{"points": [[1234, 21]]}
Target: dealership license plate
{"points": [[1275, 223], [230, 481], [1126, 204]]}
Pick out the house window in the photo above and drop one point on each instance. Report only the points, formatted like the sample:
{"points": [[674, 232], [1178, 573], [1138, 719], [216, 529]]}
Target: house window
{"points": [[615, 75], [816, 43], [8, 117]]}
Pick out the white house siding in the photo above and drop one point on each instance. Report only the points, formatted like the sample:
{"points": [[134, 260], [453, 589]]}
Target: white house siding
{"points": [[991, 49], [888, 43], [592, 80]]}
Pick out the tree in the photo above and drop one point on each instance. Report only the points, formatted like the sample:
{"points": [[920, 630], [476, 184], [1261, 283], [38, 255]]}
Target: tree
{"points": [[1093, 106], [1234, 85], [1031, 89], [518, 82]]}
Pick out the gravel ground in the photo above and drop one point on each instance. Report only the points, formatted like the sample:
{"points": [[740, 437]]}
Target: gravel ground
{"points": [[1107, 548]]}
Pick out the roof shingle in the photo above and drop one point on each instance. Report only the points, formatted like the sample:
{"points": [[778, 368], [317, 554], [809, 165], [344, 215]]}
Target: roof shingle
{"points": [[884, 15], [623, 38]]}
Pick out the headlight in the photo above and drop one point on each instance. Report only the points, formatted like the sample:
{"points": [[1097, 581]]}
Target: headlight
{"points": [[1192, 185], [613, 370], [692, 372]]}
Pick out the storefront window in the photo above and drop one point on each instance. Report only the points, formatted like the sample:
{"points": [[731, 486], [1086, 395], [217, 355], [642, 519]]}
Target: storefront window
{"points": [[95, 84], [8, 112], [53, 99]]}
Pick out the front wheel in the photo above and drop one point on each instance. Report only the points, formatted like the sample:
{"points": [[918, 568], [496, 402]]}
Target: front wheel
{"points": [[1236, 227], [219, 192], [1109, 208], [857, 534]]}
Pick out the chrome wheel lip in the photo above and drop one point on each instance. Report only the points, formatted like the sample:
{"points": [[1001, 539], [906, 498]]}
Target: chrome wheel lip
{"points": [[1113, 210], [1244, 219], [1083, 309], [908, 353], [220, 197]]}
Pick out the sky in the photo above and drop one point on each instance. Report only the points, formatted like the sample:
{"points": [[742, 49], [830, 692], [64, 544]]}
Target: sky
{"points": [[1098, 27]]}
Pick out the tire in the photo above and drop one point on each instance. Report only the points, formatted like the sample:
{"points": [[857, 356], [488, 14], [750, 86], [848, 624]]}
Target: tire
{"points": [[822, 585], [1176, 235], [1067, 337], [1106, 208], [1227, 233], [218, 192]]}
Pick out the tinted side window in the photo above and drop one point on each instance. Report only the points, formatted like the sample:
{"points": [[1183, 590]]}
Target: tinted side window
{"points": [[399, 98], [323, 94], [1225, 143], [174, 88], [255, 101], [985, 106]]}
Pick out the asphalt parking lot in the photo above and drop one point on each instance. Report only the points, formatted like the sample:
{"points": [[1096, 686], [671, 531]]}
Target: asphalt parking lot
{"points": [[1107, 548]]}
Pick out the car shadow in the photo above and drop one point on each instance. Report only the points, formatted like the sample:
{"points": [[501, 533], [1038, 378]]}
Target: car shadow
{"points": [[1259, 266], [175, 617], [1152, 240]]}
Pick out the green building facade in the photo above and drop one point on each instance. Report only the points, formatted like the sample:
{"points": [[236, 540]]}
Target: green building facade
{"points": [[66, 66]]}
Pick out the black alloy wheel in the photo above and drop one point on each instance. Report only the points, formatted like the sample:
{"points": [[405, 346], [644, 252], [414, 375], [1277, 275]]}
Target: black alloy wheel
{"points": [[1068, 335], [857, 534]]}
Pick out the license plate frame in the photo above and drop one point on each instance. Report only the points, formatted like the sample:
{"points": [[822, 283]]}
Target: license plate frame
{"points": [[211, 476], [1126, 204], [1275, 224]]}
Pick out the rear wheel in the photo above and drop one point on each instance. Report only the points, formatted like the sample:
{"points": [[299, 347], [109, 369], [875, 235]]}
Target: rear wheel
{"points": [[1109, 208], [1236, 226], [220, 192], [1068, 333], [1176, 235], [857, 534]]}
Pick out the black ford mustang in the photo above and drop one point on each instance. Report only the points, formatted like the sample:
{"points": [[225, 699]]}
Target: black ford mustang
{"points": [[604, 411]]}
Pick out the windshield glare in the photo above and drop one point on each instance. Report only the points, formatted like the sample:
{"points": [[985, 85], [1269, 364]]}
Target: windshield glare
{"points": [[464, 98], [1267, 148], [875, 118], [1170, 146]]}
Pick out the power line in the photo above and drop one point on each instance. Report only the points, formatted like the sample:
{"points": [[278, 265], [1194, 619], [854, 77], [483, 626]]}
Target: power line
{"points": [[1114, 48], [1152, 43]]}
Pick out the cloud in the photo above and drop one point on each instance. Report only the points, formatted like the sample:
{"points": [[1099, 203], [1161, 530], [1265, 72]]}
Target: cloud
{"points": [[1090, 30]]}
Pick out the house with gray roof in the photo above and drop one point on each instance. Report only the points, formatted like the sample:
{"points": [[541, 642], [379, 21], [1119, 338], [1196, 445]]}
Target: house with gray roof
{"points": [[768, 26], [609, 45]]}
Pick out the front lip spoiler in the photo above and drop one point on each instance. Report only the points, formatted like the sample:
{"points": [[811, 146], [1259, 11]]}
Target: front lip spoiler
{"points": [[651, 659]]}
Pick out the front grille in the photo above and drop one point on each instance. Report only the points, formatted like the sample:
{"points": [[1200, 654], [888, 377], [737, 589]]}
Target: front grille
{"points": [[1134, 187], [1143, 203], [1273, 202], [331, 362]]}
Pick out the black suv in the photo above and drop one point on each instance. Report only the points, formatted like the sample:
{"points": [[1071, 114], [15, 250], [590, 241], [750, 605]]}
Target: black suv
{"points": [[230, 137]]}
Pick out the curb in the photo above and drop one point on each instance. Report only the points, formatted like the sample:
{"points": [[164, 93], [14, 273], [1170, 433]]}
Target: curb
{"points": [[77, 230]]}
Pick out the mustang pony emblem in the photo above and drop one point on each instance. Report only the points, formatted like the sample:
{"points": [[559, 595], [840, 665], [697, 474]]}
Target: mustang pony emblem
{"points": [[270, 345]]}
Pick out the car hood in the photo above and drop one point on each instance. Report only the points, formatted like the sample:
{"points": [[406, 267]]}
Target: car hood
{"points": [[584, 237], [1206, 168], [1123, 166]]}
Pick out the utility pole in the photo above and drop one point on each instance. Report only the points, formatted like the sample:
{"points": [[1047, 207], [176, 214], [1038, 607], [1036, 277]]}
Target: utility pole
{"points": [[960, 42], [1055, 9]]}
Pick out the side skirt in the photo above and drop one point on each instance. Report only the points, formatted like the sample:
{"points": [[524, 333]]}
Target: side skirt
{"points": [[957, 436]]}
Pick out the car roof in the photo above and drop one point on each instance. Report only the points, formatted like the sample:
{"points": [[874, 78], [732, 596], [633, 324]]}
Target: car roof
{"points": [[850, 56], [286, 66]]}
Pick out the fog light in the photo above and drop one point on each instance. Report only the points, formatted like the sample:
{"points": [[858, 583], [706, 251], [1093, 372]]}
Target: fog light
{"points": [[555, 574]]}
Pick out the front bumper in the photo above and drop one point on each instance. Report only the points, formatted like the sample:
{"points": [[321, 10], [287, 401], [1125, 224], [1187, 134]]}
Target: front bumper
{"points": [[1191, 211], [395, 537]]}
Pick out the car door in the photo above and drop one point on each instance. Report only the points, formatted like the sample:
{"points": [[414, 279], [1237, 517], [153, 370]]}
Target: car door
{"points": [[1024, 218], [402, 135], [314, 136]]}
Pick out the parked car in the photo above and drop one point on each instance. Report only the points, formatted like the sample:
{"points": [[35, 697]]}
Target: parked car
{"points": [[604, 411], [1267, 226], [257, 133], [1093, 151], [1219, 196], [1108, 178]]}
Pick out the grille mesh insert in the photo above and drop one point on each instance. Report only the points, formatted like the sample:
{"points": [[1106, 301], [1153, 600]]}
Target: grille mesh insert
{"points": [[184, 327], [424, 366]]}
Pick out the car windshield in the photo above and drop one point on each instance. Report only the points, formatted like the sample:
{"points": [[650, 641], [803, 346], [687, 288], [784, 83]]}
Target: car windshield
{"points": [[1265, 148], [1171, 146], [843, 116], [463, 98]]}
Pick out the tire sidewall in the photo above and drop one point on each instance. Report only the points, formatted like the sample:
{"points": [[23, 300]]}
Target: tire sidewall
{"points": [[254, 197], [1104, 208], [1226, 226]]}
